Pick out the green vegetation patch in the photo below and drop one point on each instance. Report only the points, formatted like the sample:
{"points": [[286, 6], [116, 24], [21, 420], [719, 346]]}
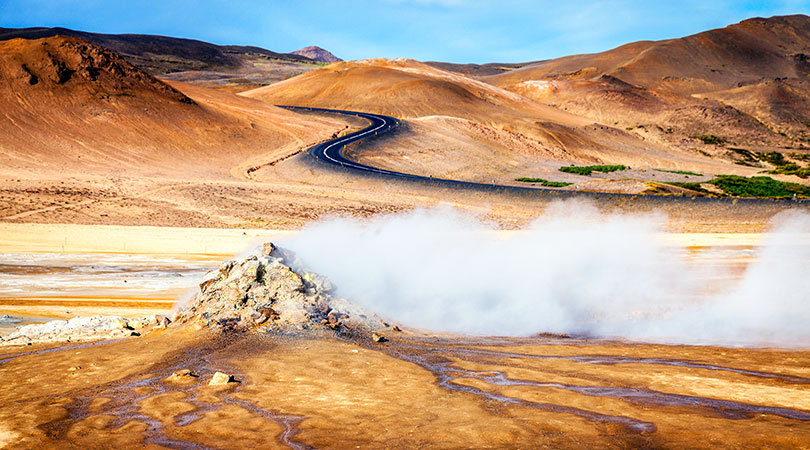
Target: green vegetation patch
{"points": [[543, 182], [682, 172], [792, 169], [691, 186], [749, 158], [760, 187], [588, 170], [711, 139], [775, 158], [765, 187]]}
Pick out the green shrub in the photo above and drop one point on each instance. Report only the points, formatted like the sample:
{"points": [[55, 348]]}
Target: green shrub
{"points": [[682, 172], [543, 182], [761, 187], [775, 158], [691, 186], [792, 169], [758, 187], [588, 170]]}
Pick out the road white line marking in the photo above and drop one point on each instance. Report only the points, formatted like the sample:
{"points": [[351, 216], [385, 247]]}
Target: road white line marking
{"points": [[356, 138]]}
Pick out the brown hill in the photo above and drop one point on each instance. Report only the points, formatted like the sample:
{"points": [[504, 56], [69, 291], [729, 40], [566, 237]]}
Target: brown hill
{"points": [[317, 54], [669, 85], [709, 61], [405, 88], [69, 106], [478, 70], [461, 127]]}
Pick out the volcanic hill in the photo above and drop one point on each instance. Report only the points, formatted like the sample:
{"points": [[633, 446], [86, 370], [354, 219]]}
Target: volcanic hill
{"points": [[68, 105], [745, 83]]}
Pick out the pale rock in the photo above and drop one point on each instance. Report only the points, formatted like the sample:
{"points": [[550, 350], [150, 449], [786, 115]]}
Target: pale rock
{"points": [[220, 379]]}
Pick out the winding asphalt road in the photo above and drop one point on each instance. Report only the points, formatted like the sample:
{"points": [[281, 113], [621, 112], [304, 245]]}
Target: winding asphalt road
{"points": [[331, 153]]}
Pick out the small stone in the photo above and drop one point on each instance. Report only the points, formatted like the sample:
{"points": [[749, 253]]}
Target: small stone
{"points": [[396, 328], [134, 333], [75, 368], [220, 379], [378, 338], [182, 376], [136, 324]]}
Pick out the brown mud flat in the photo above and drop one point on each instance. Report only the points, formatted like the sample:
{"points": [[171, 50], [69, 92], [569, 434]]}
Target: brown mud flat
{"points": [[410, 392]]}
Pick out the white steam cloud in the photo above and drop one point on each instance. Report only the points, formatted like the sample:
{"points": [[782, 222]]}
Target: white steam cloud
{"points": [[574, 270]]}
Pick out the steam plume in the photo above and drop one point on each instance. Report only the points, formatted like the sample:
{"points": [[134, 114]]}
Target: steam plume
{"points": [[573, 270]]}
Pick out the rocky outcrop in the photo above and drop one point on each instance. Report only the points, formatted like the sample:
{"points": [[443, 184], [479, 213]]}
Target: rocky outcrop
{"points": [[271, 290], [83, 329]]}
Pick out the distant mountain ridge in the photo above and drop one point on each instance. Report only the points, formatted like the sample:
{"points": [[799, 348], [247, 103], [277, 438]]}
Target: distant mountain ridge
{"points": [[158, 54], [232, 67], [317, 54]]}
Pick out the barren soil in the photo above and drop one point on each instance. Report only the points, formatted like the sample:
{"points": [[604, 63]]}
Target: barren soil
{"points": [[411, 392]]}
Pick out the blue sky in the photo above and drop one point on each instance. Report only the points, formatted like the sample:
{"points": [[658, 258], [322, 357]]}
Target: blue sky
{"points": [[446, 30]]}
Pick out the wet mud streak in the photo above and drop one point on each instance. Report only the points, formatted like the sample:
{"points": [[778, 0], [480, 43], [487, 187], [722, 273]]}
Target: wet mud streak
{"points": [[722, 408], [442, 368], [611, 360], [126, 395], [726, 409], [288, 421]]}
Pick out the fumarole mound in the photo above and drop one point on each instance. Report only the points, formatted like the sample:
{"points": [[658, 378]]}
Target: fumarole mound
{"points": [[271, 290], [268, 291]]}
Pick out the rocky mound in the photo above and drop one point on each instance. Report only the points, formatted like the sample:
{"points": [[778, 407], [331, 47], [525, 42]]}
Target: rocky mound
{"points": [[271, 290]]}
